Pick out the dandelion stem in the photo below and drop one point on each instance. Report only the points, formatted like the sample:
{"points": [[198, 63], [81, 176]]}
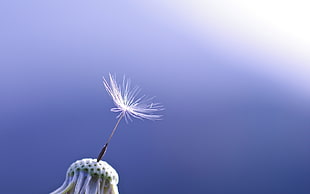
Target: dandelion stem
{"points": [[104, 149]]}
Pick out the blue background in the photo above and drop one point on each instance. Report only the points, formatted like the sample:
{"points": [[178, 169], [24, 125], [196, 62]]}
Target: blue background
{"points": [[227, 127]]}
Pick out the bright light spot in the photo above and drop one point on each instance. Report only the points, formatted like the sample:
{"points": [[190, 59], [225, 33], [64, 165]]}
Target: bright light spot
{"points": [[278, 29]]}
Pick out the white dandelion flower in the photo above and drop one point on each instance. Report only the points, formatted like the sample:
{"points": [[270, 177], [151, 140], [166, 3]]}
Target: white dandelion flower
{"points": [[87, 176], [91, 176], [128, 104]]}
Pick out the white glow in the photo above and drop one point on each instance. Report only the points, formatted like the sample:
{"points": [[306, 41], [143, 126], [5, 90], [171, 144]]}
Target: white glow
{"points": [[277, 28], [285, 23]]}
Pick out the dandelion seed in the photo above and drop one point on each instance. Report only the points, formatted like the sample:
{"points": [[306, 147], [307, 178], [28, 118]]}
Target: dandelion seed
{"points": [[128, 104], [89, 176]]}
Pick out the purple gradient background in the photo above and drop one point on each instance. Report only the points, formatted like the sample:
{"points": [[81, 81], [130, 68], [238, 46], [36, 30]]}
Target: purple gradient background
{"points": [[226, 129]]}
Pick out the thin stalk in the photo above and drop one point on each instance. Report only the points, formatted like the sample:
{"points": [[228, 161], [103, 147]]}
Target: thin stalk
{"points": [[104, 149]]}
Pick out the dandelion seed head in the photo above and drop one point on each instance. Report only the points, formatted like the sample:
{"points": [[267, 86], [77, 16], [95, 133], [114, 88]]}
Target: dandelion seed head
{"points": [[89, 176], [127, 102]]}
